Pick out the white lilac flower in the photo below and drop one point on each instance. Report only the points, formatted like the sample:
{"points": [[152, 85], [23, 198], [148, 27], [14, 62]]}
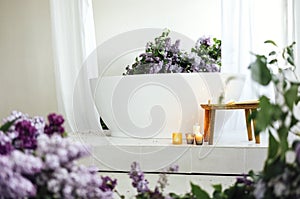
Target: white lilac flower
{"points": [[51, 161], [14, 115], [26, 163]]}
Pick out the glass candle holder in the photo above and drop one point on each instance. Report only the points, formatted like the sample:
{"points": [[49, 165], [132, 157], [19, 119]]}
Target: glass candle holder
{"points": [[190, 137], [177, 138], [199, 138]]}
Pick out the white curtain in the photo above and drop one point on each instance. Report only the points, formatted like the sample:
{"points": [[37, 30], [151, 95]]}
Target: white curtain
{"points": [[73, 40], [245, 26]]}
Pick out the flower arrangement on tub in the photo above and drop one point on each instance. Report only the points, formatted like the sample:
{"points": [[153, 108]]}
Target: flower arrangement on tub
{"points": [[161, 56], [37, 160]]}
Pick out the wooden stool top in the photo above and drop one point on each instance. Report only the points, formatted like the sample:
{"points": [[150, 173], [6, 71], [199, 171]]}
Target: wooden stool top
{"points": [[237, 105]]}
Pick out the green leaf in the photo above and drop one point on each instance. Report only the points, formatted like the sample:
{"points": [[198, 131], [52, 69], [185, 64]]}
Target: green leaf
{"points": [[291, 96], [273, 61], [7, 125], [198, 192], [290, 51], [273, 167], [218, 187], [294, 121], [259, 70], [291, 61], [270, 42], [272, 53], [264, 115], [273, 146]]}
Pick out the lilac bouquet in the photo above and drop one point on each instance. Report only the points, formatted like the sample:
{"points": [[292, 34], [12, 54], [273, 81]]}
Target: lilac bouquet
{"points": [[38, 161], [206, 55], [141, 184], [161, 56]]}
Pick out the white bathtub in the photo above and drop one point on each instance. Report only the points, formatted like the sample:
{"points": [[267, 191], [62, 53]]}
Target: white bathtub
{"points": [[155, 105]]}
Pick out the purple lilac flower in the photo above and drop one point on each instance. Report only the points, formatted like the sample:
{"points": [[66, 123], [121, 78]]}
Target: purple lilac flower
{"points": [[204, 41], [5, 144], [63, 177], [163, 180], [12, 182], [156, 68], [75, 182], [175, 69], [26, 163], [27, 135], [138, 178], [108, 184], [55, 124], [59, 151], [244, 180]]}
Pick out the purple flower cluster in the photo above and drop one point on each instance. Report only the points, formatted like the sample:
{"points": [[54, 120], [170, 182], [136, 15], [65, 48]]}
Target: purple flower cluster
{"points": [[206, 41], [27, 135], [23, 130], [62, 177], [58, 151], [141, 184], [5, 144], [206, 55], [13, 176], [108, 184], [36, 161], [138, 178], [164, 57], [163, 180], [160, 57], [55, 124]]}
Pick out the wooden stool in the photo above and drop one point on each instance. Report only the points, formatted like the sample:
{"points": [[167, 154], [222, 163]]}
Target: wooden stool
{"points": [[209, 119]]}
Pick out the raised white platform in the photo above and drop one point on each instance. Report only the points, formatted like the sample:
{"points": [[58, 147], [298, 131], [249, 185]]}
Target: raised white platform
{"points": [[232, 153], [206, 165]]}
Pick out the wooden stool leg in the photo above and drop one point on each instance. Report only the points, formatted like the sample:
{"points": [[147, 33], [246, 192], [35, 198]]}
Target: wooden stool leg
{"points": [[248, 124], [257, 138], [211, 127], [206, 125]]}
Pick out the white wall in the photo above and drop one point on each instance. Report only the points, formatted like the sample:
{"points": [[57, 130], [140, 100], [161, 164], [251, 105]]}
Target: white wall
{"points": [[193, 18], [26, 67]]}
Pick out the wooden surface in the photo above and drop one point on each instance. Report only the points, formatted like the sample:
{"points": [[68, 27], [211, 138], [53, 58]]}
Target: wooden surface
{"points": [[230, 106], [209, 118]]}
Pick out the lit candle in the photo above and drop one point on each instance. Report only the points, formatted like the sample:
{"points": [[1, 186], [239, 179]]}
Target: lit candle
{"points": [[190, 137], [177, 138], [199, 139]]}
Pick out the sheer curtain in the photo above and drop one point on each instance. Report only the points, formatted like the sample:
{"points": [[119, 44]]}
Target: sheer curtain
{"points": [[245, 26], [73, 40]]}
